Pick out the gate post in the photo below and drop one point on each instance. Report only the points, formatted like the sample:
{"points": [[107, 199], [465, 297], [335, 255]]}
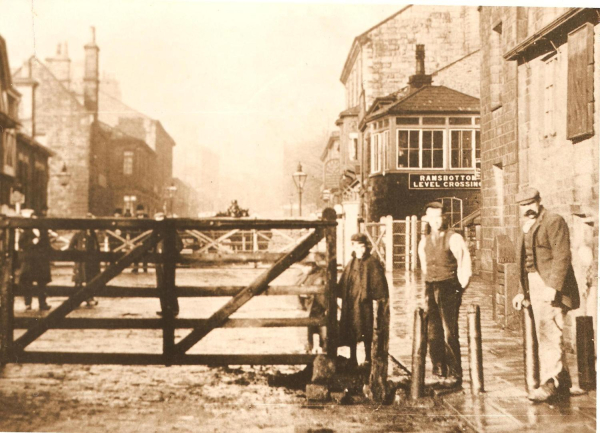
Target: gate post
{"points": [[6, 295], [389, 243], [413, 243], [330, 283], [407, 244]]}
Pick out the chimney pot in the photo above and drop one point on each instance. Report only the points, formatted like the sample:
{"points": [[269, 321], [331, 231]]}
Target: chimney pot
{"points": [[420, 79], [420, 56]]}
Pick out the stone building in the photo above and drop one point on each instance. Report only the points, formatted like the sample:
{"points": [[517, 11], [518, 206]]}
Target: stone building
{"points": [[381, 60], [332, 170], [74, 118], [422, 143], [23, 160], [540, 120]]}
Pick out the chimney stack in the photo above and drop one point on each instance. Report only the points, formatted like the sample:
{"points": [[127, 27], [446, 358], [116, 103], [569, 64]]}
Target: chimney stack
{"points": [[91, 78], [60, 65], [420, 79]]}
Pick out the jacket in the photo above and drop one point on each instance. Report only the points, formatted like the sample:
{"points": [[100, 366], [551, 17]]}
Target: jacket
{"points": [[552, 258]]}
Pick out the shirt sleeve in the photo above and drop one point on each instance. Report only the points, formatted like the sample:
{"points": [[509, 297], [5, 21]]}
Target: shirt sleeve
{"points": [[463, 258]]}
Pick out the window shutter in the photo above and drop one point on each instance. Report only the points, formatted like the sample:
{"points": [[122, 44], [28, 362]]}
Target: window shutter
{"points": [[580, 86]]}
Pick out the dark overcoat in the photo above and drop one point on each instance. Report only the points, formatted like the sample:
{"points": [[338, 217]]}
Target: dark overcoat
{"points": [[34, 265], [552, 258], [84, 272], [362, 282]]}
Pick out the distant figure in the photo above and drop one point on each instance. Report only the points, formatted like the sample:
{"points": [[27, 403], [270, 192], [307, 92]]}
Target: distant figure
{"points": [[84, 272], [139, 213], [446, 266], [34, 266], [362, 282], [315, 304], [113, 242]]}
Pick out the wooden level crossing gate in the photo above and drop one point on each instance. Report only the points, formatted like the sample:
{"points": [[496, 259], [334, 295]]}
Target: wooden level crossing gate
{"points": [[159, 246]]}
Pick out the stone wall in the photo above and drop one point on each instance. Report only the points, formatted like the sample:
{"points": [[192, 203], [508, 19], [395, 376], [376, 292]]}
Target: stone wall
{"points": [[526, 134], [63, 125], [462, 75], [499, 145], [448, 33]]}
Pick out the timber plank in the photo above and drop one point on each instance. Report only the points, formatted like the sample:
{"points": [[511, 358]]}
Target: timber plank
{"points": [[84, 293], [179, 323], [257, 287], [28, 357], [182, 291], [150, 224]]}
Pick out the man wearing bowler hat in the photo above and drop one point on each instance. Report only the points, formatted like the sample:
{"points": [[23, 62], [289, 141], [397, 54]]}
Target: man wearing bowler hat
{"points": [[548, 282]]}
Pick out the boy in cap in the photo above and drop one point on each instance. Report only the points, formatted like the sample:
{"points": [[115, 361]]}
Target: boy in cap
{"points": [[362, 282], [446, 267], [548, 283]]}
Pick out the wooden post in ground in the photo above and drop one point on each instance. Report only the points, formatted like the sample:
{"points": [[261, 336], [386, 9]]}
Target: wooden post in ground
{"points": [[475, 349], [168, 290], [6, 295], [329, 214], [419, 352], [530, 349], [379, 350]]}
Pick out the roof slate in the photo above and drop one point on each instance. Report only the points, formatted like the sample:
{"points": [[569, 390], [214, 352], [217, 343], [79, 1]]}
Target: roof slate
{"points": [[430, 99]]}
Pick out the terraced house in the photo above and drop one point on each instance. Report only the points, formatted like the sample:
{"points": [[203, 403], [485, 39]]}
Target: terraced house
{"points": [[540, 124]]}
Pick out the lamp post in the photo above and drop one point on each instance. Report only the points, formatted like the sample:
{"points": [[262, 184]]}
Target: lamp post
{"points": [[64, 176], [171, 190], [299, 179]]}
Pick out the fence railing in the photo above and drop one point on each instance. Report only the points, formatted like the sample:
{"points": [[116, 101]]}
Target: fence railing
{"points": [[159, 246]]}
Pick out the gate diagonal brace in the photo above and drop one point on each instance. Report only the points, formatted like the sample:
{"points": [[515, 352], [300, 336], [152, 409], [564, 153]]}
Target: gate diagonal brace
{"points": [[96, 285], [257, 287]]}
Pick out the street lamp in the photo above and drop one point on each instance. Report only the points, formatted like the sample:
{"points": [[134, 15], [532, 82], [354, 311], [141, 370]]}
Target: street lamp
{"points": [[299, 179], [171, 190], [64, 176]]}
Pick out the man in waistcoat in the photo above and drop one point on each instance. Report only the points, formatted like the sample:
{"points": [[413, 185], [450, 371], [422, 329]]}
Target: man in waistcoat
{"points": [[446, 267], [548, 282]]}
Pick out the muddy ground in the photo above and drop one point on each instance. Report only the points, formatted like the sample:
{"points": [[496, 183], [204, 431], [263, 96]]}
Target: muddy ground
{"points": [[187, 398]]}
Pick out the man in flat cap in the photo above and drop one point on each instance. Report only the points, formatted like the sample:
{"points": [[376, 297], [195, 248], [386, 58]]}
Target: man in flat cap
{"points": [[362, 282], [446, 267], [548, 283]]}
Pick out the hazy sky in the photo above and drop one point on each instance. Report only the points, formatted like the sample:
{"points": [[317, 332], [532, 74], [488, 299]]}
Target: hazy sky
{"points": [[241, 78]]}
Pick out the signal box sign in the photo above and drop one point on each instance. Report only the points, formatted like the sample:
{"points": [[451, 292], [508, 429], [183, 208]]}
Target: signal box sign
{"points": [[443, 181]]}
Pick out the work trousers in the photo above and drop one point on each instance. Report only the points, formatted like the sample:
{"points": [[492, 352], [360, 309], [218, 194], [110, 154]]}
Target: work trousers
{"points": [[443, 304], [32, 290], [549, 319]]}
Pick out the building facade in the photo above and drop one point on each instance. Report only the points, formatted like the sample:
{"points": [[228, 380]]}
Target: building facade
{"points": [[422, 143], [73, 118], [540, 120], [381, 60], [23, 160]]}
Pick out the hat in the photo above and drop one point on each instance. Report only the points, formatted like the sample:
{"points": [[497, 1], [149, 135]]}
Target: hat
{"points": [[434, 205], [527, 196], [360, 237]]}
